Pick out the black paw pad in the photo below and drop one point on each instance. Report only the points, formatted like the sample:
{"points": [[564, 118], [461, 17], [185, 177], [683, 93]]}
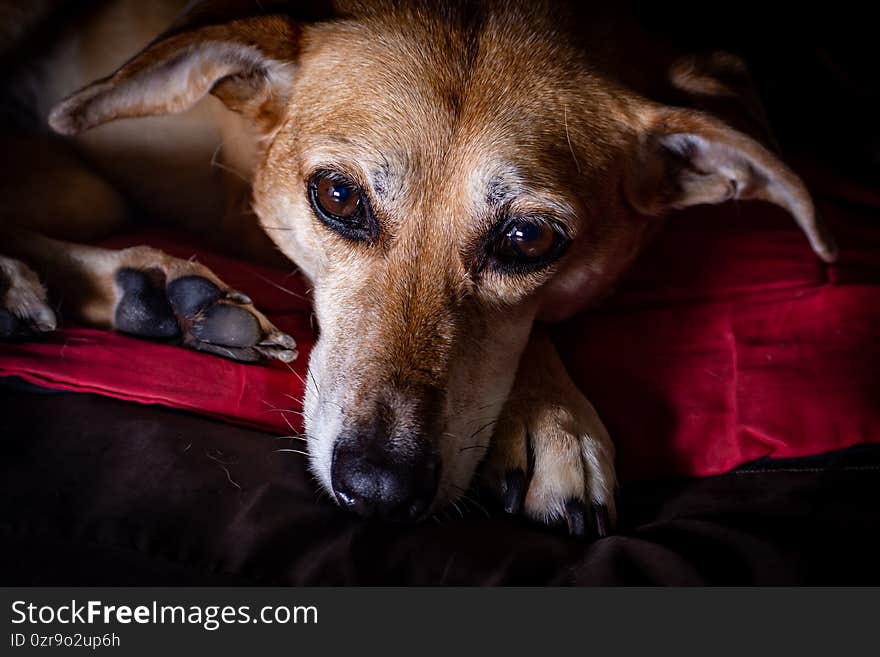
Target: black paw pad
{"points": [[144, 309], [227, 325], [190, 295]]}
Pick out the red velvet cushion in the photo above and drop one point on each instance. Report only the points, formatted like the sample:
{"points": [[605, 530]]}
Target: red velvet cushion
{"points": [[729, 341]]}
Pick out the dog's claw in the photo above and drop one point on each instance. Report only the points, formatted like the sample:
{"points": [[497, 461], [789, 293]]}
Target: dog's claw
{"points": [[279, 339], [551, 458], [12, 328], [514, 490], [238, 297], [277, 352], [575, 517], [602, 519], [278, 346]]}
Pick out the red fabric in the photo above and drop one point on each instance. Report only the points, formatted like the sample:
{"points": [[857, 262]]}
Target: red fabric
{"points": [[729, 341], [105, 363]]}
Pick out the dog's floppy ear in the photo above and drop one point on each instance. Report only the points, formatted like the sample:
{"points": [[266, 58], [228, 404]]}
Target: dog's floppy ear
{"points": [[248, 62], [684, 158]]}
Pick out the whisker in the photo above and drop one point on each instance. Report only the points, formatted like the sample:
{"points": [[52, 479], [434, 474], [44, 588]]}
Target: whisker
{"points": [[305, 440], [305, 382], [294, 399], [297, 375], [223, 167], [483, 428], [568, 137], [280, 410], [477, 504], [276, 285], [468, 447], [295, 451], [283, 416], [481, 508], [467, 499]]}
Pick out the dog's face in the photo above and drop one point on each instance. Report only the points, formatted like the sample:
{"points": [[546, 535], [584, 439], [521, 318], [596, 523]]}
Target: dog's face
{"points": [[437, 206], [444, 179]]}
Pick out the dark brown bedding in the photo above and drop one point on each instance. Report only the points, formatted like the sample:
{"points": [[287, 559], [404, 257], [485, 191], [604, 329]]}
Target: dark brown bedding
{"points": [[97, 491]]}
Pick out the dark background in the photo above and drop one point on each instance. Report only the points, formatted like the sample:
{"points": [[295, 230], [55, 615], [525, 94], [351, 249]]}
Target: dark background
{"points": [[815, 64]]}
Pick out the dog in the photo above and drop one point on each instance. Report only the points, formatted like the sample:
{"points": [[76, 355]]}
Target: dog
{"points": [[450, 177]]}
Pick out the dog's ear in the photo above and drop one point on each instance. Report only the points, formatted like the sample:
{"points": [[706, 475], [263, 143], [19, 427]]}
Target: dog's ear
{"points": [[684, 158], [247, 62]]}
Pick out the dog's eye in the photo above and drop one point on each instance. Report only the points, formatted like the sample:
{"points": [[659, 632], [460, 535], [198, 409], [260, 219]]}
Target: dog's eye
{"points": [[527, 244], [338, 198], [340, 204]]}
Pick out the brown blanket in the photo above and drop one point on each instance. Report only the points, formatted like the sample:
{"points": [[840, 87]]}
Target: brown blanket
{"points": [[97, 491]]}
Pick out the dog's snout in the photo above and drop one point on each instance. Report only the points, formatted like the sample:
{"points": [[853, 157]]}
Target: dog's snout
{"points": [[375, 479]]}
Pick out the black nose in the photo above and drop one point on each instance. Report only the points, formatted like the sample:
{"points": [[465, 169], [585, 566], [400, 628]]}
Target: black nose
{"points": [[374, 479]]}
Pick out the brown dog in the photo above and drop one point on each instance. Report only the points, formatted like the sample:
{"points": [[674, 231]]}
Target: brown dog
{"points": [[447, 175]]}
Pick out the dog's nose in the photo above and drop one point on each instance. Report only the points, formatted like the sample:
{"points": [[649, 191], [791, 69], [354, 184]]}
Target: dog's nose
{"points": [[393, 484]]}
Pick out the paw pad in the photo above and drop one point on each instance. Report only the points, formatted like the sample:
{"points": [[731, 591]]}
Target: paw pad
{"points": [[200, 313], [144, 309]]}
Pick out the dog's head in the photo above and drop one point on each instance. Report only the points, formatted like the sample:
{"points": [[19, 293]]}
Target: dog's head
{"points": [[445, 174]]}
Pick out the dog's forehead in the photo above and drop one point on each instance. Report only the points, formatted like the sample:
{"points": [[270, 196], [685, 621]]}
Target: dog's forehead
{"points": [[479, 110]]}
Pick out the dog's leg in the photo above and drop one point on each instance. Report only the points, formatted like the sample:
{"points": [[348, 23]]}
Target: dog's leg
{"points": [[551, 455], [147, 293], [24, 309]]}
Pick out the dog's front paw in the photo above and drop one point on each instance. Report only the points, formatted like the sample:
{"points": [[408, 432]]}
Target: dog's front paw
{"points": [[552, 458], [24, 310], [165, 297]]}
